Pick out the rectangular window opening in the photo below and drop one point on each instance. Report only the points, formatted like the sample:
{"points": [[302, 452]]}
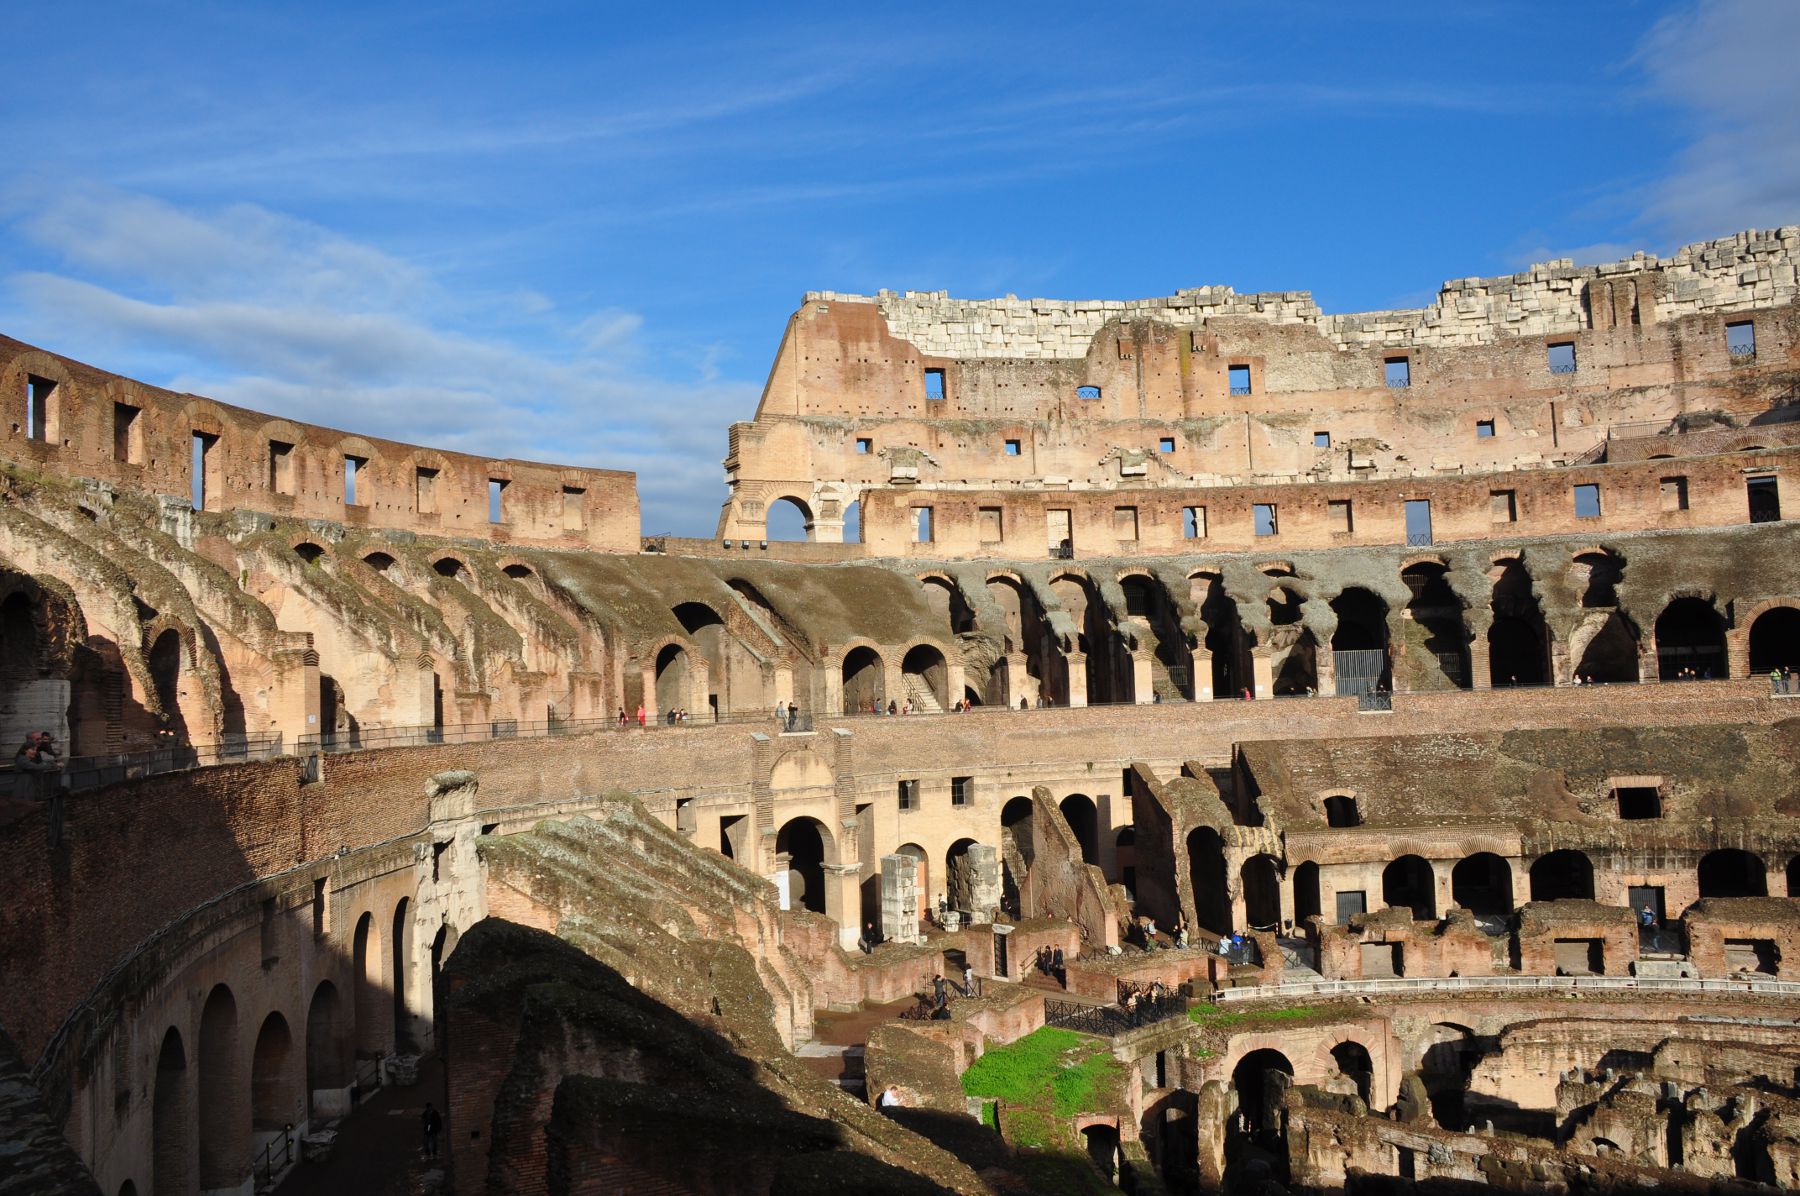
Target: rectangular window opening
{"points": [[1193, 521], [1587, 501], [1059, 524], [921, 521], [1764, 495], [1561, 357], [1166, 445], [1087, 393], [318, 907], [1674, 494], [1484, 429], [1740, 340], [1239, 377], [37, 406], [1012, 448], [425, 490], [1321, 439], [909, 794], [204, 462], [1503, 506], [1638, 802], [864, 445], [128, 435], [1125, 523], [962, 790], [281, 467], [1264, 515], [574, 510], [1418, 521], [497, 500], [352, 470], [1338, 515], [934, 385], [992, 526], [1397, 372]]}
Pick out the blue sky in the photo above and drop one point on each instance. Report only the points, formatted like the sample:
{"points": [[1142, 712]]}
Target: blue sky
{"points": [[573, 232]]}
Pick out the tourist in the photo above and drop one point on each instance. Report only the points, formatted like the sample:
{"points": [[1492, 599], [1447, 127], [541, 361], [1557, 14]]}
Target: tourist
{"points": [[433, 1125], [968, 980], [1647, 916], [642, 718], [867, 941], [958, 708], [940, 995], [37, 754], [793, 716], [621, 716], [889, 1099]]}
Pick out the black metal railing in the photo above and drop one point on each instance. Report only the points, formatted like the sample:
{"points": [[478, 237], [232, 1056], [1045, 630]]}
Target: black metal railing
{"points": [[1375, 700], [1567, 367], [1399, 383], [1106, 1021], [81, 773], [1238, 391], [1742, 356], [1418, 539], [364, 738], [277, 1155], [1062, 552]]}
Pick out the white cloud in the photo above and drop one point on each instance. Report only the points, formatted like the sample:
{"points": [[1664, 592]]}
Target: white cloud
{"points": [[255, 308]]}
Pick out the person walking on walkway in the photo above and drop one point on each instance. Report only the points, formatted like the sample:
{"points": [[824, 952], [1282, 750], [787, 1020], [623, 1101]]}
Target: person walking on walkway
{"points": [[641, 716], [433, 1125]]}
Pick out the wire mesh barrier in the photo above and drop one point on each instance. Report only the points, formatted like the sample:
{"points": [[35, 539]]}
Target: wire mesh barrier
{"points": [[1105, 1021]]}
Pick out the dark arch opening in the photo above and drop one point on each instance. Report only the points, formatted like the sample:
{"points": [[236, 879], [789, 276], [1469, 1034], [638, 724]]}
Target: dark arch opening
{"points": [[172, 1142], [1611, 657], [1566, 875], [1731, 872], [1016, 849], [804, 846], [1775, 640], [443, 944], [1145, 598], [1604, 571], [865, 690], [1084, 821], [948, 603], [1261, 1078], [277, 1098], [1408, 883], [1102, 1143], [1306, 893], [1436, 628], [366, 994], [672, 678], [788, 520], [1359, 646], [308, 551], [329, 1065], [518, 572], [959, 875], [1262, 892], [1225, 640], [1793, 877], [1340, 810], [1125, 856], [166, 662], [1690, 641], [223, 1145], [18, 639], [1482, 884], [1518, 639], [381, 562], [447, 566], [927, 678], [400, 947], [1206, 873], [1353, 1062]]}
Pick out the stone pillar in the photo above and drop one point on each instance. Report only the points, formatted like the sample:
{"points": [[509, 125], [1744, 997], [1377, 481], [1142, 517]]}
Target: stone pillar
{"points": [[1203, 691], [893, 682], [1018, 680], [1077, 666], [1327, 670], [1481, 668], [778, 876], [832, 665], [1441, 876], [1143, 681], [901, 900], [647, 678], [1737, 657], [1647, 658], [1262, 669], [843, 901], [982, 866], [699, 685]]}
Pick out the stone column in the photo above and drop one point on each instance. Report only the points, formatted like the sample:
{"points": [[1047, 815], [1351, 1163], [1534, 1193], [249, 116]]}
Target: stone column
{"points": [[954, 684], [1262, 670], [1203, 691], [1018, 680], [1647, 658], [1143, 683], [1327, 670], [901, 901], [1737, 656], [1077, 666], [843, 901], [832, 665], [982, 866]]}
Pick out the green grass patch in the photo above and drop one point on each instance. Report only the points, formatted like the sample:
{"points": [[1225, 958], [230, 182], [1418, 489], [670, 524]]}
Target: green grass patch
{"points": [[1206, 1014], [1047, 1076]]}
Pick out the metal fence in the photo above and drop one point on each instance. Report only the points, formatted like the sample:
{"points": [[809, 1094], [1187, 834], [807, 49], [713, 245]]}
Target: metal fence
{"points": [[1526, 984], [275, 1158], [1106, 1021], [81, 773]]}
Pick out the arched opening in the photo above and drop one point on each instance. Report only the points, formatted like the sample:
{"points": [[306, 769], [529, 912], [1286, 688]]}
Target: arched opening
{"points": [[1359, 645], [1450, 1054], [172, 1143], [1482, 884], [1437, 639], [1125, 856], [400, 944], [277, 1098], [1146, 599], [127, 1189], [1599, 574], [1108, 671], [1262, 893], [443, 945], [1731, 872], [1340, 810], [1611, 657], [1408, 883], [802, 840], [1353, 1063], [166, 665], [927, 679], [518, 572], [1016, 849], [853, 523], [308, 551], [921, 871], [1566, 875], [1084, 821], [1690, 641], [1226, 643], [365, 971], [1032, 652], [945, 598], [448, 566], [864, 687], [1206, 874], [381, 562], [18, 640], [789, 520], [224, 1146], [1261, 1079], [1306, 893], [1102, 1142], [672, 678], [1518, 639], [959, 876], [1775, 640], [724, 679], [329, 1068]]}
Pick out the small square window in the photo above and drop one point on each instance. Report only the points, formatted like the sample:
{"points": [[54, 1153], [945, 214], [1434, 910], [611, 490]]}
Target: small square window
{"points": [[1087, 392], [1398, 372], [1166, 445], [1484, 429], [1265, 518], [1239, 376], [1321, 439], [1125, 523], [1637, 802], [934, 385], [962, 790], [1587, 501], [1012, 448], [1193, 521], [909, 794], [864, 445], [1740, 340], [1561, 357]]}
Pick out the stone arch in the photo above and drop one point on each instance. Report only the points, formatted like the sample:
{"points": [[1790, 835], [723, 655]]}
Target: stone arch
{"points": [[947, 602], [1605, 649], [381, 562], [801, 768], [400, 974], [674, 678], [1359, 643], [1732, 872], [1436, 631], [1261, 881], [309, 551], [808, 844], [1352, 1060], [21, 655], [443, 945], [171, 661], [788, 519], [926, 676], [959, 875], [277, 1077], [1562, 875], [1306, 892], [1518, 638], [1600, 571], [452, 567], [224, 1139], [518, 570], [1341, 810], [1259, 1093], [1148, 599], [1409, 883], [174, 1147], [1226, 642], [1208, 878], [864, 676], [329, 1048], [1108, 675], [1774, 635], [1079, 812], [366, 996], [1017, 849], [1690, 640], [921, 870], [1482, 884], [1101, 1142]]}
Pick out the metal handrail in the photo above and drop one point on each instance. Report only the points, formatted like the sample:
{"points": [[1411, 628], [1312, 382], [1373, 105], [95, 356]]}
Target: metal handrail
{"points": [[267, 1164], [80, 773], [1107, 1021], [1563, 369], [1328, 988]]}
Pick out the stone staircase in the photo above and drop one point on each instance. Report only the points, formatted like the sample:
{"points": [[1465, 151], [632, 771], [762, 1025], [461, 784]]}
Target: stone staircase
{"points": [[923, 700]]}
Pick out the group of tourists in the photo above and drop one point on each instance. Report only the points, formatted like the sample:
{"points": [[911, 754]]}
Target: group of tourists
{"points": [[38, 754], [1784, 680], [1134, 997], [670, 717]]}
